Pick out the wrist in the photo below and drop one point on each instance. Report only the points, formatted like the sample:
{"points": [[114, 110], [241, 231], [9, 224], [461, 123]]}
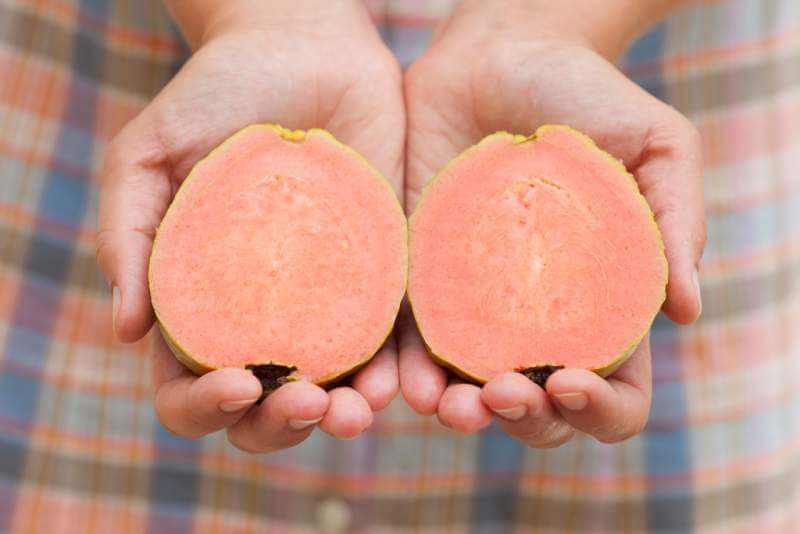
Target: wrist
{"points": [[606, 26], [203, 20]]}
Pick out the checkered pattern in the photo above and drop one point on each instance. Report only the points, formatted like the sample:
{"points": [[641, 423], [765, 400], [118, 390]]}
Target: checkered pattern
{"points": [[81, 450]]}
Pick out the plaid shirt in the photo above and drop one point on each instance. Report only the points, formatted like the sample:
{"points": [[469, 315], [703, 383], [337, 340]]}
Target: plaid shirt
{"points": [[81, 450]]}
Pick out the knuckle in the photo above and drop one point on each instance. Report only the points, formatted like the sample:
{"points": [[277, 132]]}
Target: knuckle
{"points": [[114, 155], [549, 436], [137, 145], [245, 445], [621, 433], [181, 430], [611, 439], [250, 441], [672, 130], [689, 135], [199, 423], [553, 442], [171, 418]]}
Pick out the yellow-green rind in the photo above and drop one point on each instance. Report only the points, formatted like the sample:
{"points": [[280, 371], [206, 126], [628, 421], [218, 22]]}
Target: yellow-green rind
{"points": [[193, 365], [615, 362], [295, 136], [604, 371]]}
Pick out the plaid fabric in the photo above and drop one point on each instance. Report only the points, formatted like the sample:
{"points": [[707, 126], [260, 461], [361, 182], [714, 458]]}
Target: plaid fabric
{"points": [[81, 450]]}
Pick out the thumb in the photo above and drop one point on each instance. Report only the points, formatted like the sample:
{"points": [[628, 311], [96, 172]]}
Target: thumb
{"points": [[671, 178], [134, 195]]}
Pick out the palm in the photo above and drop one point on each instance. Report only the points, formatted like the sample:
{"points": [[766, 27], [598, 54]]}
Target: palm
{"points": [[518, 86], [216, 94], [355, 94]]}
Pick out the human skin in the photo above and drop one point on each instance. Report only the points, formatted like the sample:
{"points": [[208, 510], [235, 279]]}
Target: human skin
{"points": [[514, 65], [299, 63]]}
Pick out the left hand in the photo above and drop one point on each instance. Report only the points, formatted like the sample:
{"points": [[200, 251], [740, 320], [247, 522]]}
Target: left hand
{"points": [[304, 64], [454, 97]]}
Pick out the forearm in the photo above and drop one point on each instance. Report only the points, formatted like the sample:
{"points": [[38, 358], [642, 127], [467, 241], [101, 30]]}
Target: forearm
{"points": [[196, 17], [607, 26], [199, 20]]}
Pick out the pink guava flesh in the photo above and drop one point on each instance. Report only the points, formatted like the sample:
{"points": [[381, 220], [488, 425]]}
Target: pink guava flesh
{"points": [[534, 252], [276, 251]]}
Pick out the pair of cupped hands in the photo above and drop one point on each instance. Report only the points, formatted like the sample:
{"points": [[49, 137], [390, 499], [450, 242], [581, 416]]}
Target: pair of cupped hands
{"points": [[484, 71]]}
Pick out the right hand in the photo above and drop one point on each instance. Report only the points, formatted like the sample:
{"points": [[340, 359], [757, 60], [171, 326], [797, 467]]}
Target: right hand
{"points": [[527, 75], [320, 66]]}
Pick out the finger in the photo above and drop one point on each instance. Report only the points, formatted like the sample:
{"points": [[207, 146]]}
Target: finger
{"points": [[462, 410], [134, 195], [286, 417], [671, 179], [192, 406], [611, 410], [348, 416], [524, 411], [422, 382], [378, 382]]}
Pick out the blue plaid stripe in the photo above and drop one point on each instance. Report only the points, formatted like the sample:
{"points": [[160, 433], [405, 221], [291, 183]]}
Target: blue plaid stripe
{"points": [[406, 473]]}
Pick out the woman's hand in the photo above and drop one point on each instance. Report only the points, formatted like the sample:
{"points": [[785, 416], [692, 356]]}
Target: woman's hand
{"points": [[490, 70], [306, 63]]}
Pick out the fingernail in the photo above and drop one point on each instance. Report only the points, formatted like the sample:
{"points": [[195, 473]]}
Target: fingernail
{"points": [[114, 307], [512, 414], [301, 424], [235, 406], [696, 281], [572, 401]]}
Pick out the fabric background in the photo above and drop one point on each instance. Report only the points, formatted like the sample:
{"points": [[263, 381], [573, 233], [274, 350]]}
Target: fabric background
{"points": [[81, 450]]}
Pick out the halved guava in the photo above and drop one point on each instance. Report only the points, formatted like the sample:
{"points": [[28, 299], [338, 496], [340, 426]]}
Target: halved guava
{"points": [[283, 252], [531, 254]]}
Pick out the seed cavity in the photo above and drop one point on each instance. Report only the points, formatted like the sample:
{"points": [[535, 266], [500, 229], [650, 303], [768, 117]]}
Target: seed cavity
{"points": [[272, 376], [540, 373]]}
